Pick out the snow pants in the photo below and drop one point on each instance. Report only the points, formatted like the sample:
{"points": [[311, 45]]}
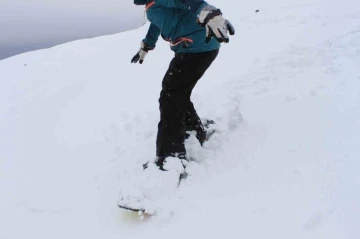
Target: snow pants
{"points": [[177, 112]]}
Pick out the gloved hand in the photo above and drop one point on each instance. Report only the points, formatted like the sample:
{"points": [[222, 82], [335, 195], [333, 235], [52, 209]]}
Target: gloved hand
{"points": [[217, 26], [140, 55]]}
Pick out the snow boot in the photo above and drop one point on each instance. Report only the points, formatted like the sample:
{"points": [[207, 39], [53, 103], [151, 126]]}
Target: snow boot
{"points": [[163, 165], [203, 134]]}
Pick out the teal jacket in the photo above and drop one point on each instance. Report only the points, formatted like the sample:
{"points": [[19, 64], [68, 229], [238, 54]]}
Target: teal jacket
{"points": [[175, 20]]}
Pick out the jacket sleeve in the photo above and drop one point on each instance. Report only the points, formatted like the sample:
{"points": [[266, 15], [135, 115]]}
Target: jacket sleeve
{"points": [[194, 5], [152, 36]]}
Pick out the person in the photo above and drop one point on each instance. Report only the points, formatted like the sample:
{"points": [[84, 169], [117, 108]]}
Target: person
{"points": [[195, 31]]}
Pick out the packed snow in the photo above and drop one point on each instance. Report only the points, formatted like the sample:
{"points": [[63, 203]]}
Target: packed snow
{"points": [[77, 122]]}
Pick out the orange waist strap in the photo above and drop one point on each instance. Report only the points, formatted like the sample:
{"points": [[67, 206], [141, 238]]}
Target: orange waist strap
{"points": [[180, 40], [150, 5]]}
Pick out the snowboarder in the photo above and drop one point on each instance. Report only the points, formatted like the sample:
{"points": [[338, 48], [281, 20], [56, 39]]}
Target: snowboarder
{"points": [[195, 30]]}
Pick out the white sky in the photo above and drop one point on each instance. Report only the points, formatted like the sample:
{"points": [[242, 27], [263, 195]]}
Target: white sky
{"points": [[30, 24]]}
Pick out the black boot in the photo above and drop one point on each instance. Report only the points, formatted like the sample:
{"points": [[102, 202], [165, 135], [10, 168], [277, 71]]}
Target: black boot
{"points": [[161, 161], [203, 131]]}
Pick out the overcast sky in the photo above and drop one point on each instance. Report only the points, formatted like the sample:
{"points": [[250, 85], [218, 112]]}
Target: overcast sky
{"points": [[33, 24]]}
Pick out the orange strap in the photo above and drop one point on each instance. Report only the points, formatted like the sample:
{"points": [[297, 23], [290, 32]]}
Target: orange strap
{"points": [[180, 40], [150, 5]]}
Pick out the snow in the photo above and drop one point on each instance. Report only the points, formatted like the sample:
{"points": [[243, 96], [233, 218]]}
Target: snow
{"points": [[78, 120]]}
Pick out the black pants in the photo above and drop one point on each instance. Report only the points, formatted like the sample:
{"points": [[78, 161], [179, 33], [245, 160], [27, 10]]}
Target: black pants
{"points": [[177, 112]]}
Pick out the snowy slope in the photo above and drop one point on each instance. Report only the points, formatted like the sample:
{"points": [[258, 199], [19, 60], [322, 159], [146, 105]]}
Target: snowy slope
{"points": [[78, 120]]}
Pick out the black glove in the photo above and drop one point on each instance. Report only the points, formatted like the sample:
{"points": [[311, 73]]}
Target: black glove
{"points": [[216, 26], [140, 55]]}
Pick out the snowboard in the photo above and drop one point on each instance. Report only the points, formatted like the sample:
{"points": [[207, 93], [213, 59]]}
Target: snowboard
{"points": [[142, 211], [139, 211]]}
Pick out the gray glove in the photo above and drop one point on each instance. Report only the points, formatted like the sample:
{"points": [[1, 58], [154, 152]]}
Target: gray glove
{"points": [[140, 55], [216, 26]]}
